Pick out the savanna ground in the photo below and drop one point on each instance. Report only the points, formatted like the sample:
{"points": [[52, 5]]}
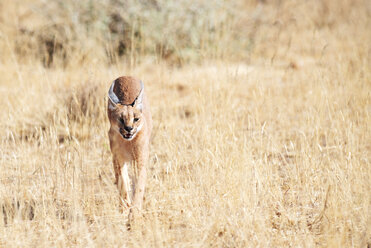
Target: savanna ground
{"points": [[261, 113]]}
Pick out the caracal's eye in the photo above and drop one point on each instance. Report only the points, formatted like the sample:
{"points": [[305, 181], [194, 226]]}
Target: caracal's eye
{"points": [[122, 121], [136, 119]]}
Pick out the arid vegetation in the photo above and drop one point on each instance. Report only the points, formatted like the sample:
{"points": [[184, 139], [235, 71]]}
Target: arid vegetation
{"points": [[261, 110]]}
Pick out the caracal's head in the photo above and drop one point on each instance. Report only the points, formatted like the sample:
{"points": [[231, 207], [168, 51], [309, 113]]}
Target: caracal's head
{"points": [[126, 117]]}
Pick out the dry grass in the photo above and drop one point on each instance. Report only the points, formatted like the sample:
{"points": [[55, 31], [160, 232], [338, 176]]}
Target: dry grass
{"points": [[263, 146]]}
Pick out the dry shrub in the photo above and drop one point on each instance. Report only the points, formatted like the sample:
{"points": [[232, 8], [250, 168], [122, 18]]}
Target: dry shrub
{"points": [[84, 103], [79, 109], [46, 44]]}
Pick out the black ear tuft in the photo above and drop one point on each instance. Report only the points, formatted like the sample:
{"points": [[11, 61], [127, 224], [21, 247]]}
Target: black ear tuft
{"points": [[112, 98], [137, 103]]}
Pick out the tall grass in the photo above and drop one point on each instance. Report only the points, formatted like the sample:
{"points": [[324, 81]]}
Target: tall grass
{"points": [[261, 122]]}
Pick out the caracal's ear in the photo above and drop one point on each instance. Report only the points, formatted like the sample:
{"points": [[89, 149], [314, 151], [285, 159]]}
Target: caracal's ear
{"points": [[112, 98], [138, 102]]}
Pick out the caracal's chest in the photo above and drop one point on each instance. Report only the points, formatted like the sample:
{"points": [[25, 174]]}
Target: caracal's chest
{"points": [[122, 148]]}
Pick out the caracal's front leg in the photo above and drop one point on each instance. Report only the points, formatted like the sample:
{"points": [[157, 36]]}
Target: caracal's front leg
{"points": [[141, 177], [124, 186], [140, 180], [139, 192]]}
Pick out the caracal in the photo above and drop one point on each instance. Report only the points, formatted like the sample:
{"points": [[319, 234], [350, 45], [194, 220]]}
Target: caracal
{"points": [[129, 135]]}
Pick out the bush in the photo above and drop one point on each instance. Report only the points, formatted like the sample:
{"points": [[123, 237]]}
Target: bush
{"points": [[122, 29]]}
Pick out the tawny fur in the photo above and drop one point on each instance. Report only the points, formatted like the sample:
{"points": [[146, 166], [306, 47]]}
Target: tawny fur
{"points": [[134, 113]]}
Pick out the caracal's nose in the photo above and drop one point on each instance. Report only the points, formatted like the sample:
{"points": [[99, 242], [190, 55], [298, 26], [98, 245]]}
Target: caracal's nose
{"points": [[127, 128]]}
